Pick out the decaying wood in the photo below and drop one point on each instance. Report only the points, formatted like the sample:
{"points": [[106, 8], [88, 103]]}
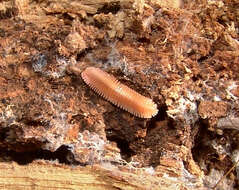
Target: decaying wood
{"points": [[47, 176], [41, 176], [182, 54]]}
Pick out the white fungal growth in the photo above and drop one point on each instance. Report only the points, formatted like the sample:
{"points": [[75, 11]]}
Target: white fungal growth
{"points": [[186, 106], [232, 86]]}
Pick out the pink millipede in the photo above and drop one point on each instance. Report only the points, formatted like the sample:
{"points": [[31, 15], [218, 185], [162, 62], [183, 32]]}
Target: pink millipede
{"points": [[119, 94]]}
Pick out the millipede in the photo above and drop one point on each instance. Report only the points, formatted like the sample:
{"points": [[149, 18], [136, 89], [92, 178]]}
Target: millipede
{"points": [[117, 93]]}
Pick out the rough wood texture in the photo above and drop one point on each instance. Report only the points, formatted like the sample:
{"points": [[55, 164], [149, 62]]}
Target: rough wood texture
{"points": [[182, 54], [50, 176]]}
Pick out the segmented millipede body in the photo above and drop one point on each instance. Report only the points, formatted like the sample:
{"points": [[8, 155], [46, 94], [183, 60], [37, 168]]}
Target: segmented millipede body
{"points": [[119, 94]]}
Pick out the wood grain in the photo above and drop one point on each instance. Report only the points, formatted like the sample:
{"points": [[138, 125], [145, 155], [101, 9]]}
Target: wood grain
{"points": [[48, 176]]}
